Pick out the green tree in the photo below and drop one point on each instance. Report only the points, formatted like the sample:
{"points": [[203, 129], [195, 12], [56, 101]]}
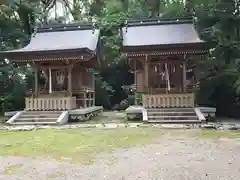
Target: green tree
{"points": [[216, 20]]}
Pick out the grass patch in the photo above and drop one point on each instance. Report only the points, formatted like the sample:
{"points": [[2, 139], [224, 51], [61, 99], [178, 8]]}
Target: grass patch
{"points": [[55, 175], [219, 134], [12, 169], [108, 117], [78, 144], [82, 145], [3, 119], [204, 133]]}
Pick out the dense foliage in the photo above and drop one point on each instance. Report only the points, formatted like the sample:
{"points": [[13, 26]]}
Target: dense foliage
{"points": [[218, 22]]}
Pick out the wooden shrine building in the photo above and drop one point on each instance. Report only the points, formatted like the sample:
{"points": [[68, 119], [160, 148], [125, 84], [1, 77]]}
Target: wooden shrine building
{"points": [[162, 54], [63, 56]]}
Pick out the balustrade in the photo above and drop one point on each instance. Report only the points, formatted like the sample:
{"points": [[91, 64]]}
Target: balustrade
{"points": [[168, 100], [50, 103]]}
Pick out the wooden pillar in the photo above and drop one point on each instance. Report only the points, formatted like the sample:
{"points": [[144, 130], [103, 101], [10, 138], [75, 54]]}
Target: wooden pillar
{"points": [[85, 99], [70, 81], [196, 78], [50, 80], [135, 82], [93, 86], [36, 81], [197, 74], [146, 75], [184, 76], [89, 99], [93, 104]]}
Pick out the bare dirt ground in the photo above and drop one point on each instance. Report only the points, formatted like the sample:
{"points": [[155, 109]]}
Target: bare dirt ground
{"points": [[168, 158]]}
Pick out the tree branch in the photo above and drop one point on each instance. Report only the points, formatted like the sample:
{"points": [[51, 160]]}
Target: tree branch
{"points": [[69, 8]]}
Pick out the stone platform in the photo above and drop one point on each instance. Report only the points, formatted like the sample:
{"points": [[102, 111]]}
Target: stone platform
{"points": [[85, 114], [208, 111], [135, 112]]}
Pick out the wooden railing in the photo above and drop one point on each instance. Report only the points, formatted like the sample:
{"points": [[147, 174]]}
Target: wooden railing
{"points": [[65, 93], [168, 100], [50, 103]]}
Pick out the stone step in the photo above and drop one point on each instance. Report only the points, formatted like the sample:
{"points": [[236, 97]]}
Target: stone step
{"points": [[171, 113], [40, 115], [184, 121], [173, 117], [42, 112], [37, 118], [170, 109], [34, 123], [20, 119]]}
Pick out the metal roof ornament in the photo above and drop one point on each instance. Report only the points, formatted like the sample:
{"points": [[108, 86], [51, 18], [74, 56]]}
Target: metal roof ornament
{"points": [[34, 31], [94, 27], [126, 25], [184, 56]]}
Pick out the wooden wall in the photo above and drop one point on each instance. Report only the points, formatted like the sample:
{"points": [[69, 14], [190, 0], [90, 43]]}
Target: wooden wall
{"points": [[81, 86], [139, 81], [81, 78], [87, 79], [157, 82], [76, 79]]}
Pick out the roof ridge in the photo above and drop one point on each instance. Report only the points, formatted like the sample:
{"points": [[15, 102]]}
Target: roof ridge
{"points": [[159, 21], [65, 27]]}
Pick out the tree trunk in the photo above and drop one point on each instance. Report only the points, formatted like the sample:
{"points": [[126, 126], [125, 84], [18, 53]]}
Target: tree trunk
{"points": [[125, 5], [189, 7], [154, 6]]}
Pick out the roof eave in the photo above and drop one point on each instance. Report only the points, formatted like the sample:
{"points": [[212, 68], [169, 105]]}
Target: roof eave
{"points": [[166, 46], [20, 55]]}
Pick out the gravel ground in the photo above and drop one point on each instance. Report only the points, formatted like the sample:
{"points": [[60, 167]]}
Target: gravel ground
{"points": [[168, 158]]}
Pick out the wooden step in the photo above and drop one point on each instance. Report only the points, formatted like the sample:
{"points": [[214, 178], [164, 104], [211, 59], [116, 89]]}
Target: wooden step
{"points": [[38, 118], [171, 113], [34, 123], [173, 117], [21, 119], [40, 115], [184, 121], [42, 112], [45, 113], [170, 110]]}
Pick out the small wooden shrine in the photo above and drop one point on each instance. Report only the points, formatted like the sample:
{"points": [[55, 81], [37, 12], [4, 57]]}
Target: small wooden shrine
{"points": [[162, 54], [63, 56]]}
